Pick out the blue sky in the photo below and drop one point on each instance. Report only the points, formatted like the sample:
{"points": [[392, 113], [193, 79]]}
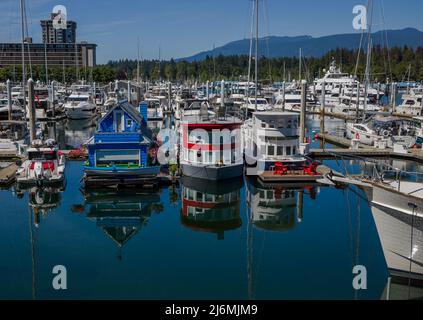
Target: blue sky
{"points": [[185, 27]]}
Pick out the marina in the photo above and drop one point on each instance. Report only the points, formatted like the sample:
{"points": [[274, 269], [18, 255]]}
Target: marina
{"points": [[150, 182]]}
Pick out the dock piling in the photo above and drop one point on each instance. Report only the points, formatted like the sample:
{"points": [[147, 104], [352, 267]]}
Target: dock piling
{"points": [[303, 111], [9, 98]]}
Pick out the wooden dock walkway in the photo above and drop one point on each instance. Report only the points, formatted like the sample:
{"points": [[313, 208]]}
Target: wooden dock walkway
{"points": [[364, 151]]}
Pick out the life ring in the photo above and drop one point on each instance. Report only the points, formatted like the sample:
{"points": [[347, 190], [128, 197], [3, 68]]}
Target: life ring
{"points": [[357, 136], [385, 133]]}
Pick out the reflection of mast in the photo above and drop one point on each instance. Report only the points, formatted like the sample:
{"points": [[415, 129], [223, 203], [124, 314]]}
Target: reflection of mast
{"points": [[32, 254], [300, 205], [250, 261]]}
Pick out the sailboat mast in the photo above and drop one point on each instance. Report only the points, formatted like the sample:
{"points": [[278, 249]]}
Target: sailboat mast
{"points": [[23, 55], [368, 61], [251, 50], [138, 62], [300, 71], [257, 43]]}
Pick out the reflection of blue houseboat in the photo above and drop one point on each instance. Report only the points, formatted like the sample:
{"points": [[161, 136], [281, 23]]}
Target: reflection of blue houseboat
{"points": [[122, 214], [119, 150]]}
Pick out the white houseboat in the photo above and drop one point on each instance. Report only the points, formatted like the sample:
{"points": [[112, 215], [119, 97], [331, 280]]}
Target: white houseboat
{"points": [[80, 106], [271, 138]]}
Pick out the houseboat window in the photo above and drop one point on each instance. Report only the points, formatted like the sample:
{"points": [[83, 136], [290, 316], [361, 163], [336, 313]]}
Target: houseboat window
{"points": [[209, 197], [280, 151], [289, 124], [262, 194], [199, 196], [288, 151], [270, 194], [117, 157], [119, 121], [271, 150], [263, 125], [129, 123], [294, 150], [36, 155]]}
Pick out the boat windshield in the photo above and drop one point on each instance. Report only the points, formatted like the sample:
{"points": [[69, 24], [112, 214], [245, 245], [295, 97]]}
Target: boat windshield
{"points": [[77, 99], [259, 101], [417, 123], [42, 155]]}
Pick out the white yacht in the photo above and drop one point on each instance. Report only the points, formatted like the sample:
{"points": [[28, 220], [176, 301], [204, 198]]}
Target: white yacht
{"points": [[411, 105], [269, 138], [45, 165], [154, 109], [249, 105], [418, 125], [111, 100], [334, 80], [389, 130], [17, 110], [401, 237], [80, 106], [348, 106]]}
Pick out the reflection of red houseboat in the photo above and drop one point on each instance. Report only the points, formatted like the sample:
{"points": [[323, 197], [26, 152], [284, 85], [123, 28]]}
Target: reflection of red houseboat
{"points": [[211, 208]]}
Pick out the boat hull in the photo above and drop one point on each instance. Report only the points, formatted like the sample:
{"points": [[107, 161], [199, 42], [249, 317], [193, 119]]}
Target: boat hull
{"points": [[81, 112], [214, 173], [24, 182], [120, 172]]}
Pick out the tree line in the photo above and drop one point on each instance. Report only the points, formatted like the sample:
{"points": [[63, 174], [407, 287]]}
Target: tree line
{"points": [[395, 64]]}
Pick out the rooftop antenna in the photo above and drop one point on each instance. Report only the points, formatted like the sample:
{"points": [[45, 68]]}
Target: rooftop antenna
{"points": [[138, 62]]}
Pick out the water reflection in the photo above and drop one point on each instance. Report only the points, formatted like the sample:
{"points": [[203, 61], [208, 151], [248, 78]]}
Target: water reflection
{"points": [[121, 215], [211, 207], [77, 132], [41, 201], [277, 208]]}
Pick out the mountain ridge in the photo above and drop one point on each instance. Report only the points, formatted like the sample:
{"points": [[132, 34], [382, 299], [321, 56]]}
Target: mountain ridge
{"points": [[288, 46]]}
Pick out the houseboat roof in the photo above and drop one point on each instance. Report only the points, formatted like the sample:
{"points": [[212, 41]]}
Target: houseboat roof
{"points": [[129, 109], [198, 119], [275, 113]]}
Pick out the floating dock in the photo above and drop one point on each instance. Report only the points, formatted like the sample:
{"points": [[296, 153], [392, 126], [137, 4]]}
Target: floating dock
{"points": [[415, 155], [271, 177]]}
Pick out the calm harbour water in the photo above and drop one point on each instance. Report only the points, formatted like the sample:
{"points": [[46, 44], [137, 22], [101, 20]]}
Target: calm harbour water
{"points": [[256, 243]]}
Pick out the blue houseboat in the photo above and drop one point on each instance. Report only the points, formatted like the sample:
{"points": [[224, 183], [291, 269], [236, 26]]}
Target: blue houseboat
{"points": [[119, 151]]}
